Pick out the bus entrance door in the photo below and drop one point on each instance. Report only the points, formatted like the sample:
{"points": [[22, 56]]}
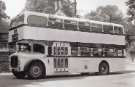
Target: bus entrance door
{"points": [[61, 64], [60, 52]]}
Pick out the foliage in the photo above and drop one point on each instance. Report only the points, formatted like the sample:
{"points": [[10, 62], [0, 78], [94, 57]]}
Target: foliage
{"points": [[69, 8], [4, 25], [131, 9], [2, 10], [48, 6], [38, 5], [109, 13]]}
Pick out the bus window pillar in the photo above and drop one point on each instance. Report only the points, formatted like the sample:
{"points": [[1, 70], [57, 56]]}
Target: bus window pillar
{"points": [[79, 51], [102, 28], [63, 25], [17, 47], [69, 51], [113, 30], [46, 50], [47, 22], [77, 26]]}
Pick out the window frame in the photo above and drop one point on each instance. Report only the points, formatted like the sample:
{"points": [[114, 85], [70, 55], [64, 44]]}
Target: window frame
{"points": [[70, 25], [118, 32], [56, 21], [106, 29], [85, 51], [94, 27], [39, 46], [83, 26], [37, 24]]}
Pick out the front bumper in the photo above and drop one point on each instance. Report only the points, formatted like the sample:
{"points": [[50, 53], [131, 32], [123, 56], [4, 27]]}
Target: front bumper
{"points": [[16, 69]]}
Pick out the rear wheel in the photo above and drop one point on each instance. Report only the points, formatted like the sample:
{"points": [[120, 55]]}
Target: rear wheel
{"points": [[19, 75], [36, 70], [104, 68]]}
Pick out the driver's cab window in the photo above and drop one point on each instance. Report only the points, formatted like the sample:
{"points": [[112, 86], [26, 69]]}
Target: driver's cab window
{"points": [[38, 48], [24, 47]]}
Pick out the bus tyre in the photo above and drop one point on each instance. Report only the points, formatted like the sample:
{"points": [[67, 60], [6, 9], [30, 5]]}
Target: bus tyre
{"points": [[36, 70], [18, 75], [103, 68]]}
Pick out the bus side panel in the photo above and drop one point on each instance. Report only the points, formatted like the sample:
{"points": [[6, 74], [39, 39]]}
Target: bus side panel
{"points": [[62, 35], [80, 65], [49, 66], [117, 64]]}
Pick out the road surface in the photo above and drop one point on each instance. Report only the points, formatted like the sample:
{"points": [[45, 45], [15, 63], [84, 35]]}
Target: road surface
{"points": [[125, 79]]}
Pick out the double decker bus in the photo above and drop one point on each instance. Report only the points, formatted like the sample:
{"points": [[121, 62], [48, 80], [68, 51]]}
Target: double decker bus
{"points": [[45, 45]]}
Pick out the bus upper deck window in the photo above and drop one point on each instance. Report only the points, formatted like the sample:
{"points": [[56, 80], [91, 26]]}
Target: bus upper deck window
{"points": [[55, 23], [70, 25], [118, 30], [84, 26], [37, 21], [108, 29], [96, 27]]}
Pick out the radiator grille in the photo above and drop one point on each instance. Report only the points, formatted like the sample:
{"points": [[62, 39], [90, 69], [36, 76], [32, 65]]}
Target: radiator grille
{"points": [[14, 61]]}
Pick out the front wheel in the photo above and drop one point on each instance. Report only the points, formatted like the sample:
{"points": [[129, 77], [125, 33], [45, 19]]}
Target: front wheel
{"points": [[36, 70], [103, 68]]}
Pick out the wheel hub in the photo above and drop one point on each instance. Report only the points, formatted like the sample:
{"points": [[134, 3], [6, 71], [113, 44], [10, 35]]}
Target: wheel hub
{"points": [[36, 71]]}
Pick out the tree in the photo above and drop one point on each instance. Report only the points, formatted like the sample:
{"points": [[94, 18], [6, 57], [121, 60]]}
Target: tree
{"points": [[4, 25], [69, 8], [109, 13], [2, 10], [39, 6], [49, 6], [131, 9], [130, 37], [131, 27]]}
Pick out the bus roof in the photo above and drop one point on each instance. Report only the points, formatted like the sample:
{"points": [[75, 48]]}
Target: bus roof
{"points": [[69, 18]]}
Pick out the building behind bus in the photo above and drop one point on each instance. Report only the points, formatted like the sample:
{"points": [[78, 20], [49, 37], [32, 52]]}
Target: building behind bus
{"points": [[4, 46]]}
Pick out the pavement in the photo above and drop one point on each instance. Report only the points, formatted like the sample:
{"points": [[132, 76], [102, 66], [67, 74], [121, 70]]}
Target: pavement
{"points": [[130, 66]]}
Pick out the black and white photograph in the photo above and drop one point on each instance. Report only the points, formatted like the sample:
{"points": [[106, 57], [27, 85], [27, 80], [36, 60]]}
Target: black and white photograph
{"points": [[67, 43]]}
